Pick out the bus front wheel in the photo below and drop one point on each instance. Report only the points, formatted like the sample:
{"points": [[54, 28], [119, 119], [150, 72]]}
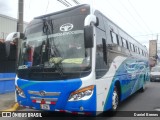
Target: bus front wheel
{"points": [[115, 99], [142, 89]]}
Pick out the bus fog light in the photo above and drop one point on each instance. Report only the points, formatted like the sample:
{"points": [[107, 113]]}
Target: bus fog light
{"points": [[20, 92], [82, 94]]}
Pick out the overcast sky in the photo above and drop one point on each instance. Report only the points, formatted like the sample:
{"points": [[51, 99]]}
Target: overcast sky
{"points": [[139, 18]]}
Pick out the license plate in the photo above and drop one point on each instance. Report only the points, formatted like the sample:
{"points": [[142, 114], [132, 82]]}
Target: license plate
{"points": [[45, 107]]}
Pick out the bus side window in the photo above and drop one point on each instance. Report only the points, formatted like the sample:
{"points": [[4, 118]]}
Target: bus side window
{"points": [[127, 45], [124, 43], [141, 52], [119, 41], [130, 48], [138, 51], [113, 37], [135, 49]]}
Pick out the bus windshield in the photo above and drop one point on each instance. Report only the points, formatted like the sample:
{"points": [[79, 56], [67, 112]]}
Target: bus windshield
{"points": [[54, 52]]}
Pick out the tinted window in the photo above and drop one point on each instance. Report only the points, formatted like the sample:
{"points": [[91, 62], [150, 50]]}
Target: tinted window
{"points": [[113, 37], [124, 43], [132, 47], [119, 41]]}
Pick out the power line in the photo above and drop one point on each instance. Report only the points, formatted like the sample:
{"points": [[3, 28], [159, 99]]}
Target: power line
{"points": [[47, 6], [139, 16], [68, 2], [123, 16], [76, 2], [29, 4], [131, 15], [62, 2], [5, 10], [147, 35]]}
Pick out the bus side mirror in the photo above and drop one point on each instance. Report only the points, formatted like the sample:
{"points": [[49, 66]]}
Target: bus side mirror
{"points": [[12, 38], [88, 36]]}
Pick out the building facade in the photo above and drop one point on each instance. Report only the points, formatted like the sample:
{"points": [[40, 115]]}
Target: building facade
{"points": [[8, 25], [153, 52], [7, 64]]}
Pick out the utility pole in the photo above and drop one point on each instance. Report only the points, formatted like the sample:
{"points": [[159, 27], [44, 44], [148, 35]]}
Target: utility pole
{"points": [[20, 16], [19, 26], [158, 51], [153, 52]]}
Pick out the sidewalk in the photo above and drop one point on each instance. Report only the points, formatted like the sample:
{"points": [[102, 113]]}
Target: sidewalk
{"points": [[6, 100]]}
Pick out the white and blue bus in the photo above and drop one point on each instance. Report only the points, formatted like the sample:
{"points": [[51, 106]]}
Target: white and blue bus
{"points": [[75, 61]]}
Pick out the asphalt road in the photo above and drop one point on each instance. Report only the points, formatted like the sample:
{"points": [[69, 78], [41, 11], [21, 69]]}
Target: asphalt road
{"points": [[149, 100], [6, 100]]}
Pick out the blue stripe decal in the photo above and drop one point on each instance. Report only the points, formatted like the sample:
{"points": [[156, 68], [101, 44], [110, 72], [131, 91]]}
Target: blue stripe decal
{"points": [[130, 74]]}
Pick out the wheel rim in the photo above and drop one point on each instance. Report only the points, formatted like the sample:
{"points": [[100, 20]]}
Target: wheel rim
{"points": [[115, 100]]}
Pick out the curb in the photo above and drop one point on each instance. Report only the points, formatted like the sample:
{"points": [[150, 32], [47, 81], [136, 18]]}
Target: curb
{"points": [[15, 107]]}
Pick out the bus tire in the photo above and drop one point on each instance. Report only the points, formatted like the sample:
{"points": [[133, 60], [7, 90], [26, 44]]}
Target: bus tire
{"points": [[142, 89], [115, 99]]}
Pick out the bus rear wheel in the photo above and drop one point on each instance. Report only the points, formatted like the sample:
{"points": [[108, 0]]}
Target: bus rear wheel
{"points": [[115, 99], [142, 89]]}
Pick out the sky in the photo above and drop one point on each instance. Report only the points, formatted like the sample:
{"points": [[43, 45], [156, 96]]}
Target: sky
{"points": [[139, 18]]}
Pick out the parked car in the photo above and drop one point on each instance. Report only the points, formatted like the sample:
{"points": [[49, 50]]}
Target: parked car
{"points": [[155, 74]]}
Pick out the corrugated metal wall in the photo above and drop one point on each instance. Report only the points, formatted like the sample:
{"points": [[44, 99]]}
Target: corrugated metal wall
{"points": [[7, 64], [7, 25]]}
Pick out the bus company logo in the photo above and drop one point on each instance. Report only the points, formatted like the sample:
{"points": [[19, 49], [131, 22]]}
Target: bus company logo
{"points": [[66, 27], [6, 114], [42, 93]]}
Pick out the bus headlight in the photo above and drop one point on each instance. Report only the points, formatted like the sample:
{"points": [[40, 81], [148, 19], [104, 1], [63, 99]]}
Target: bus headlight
{"points": [[20, 92], [82, 94]]}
